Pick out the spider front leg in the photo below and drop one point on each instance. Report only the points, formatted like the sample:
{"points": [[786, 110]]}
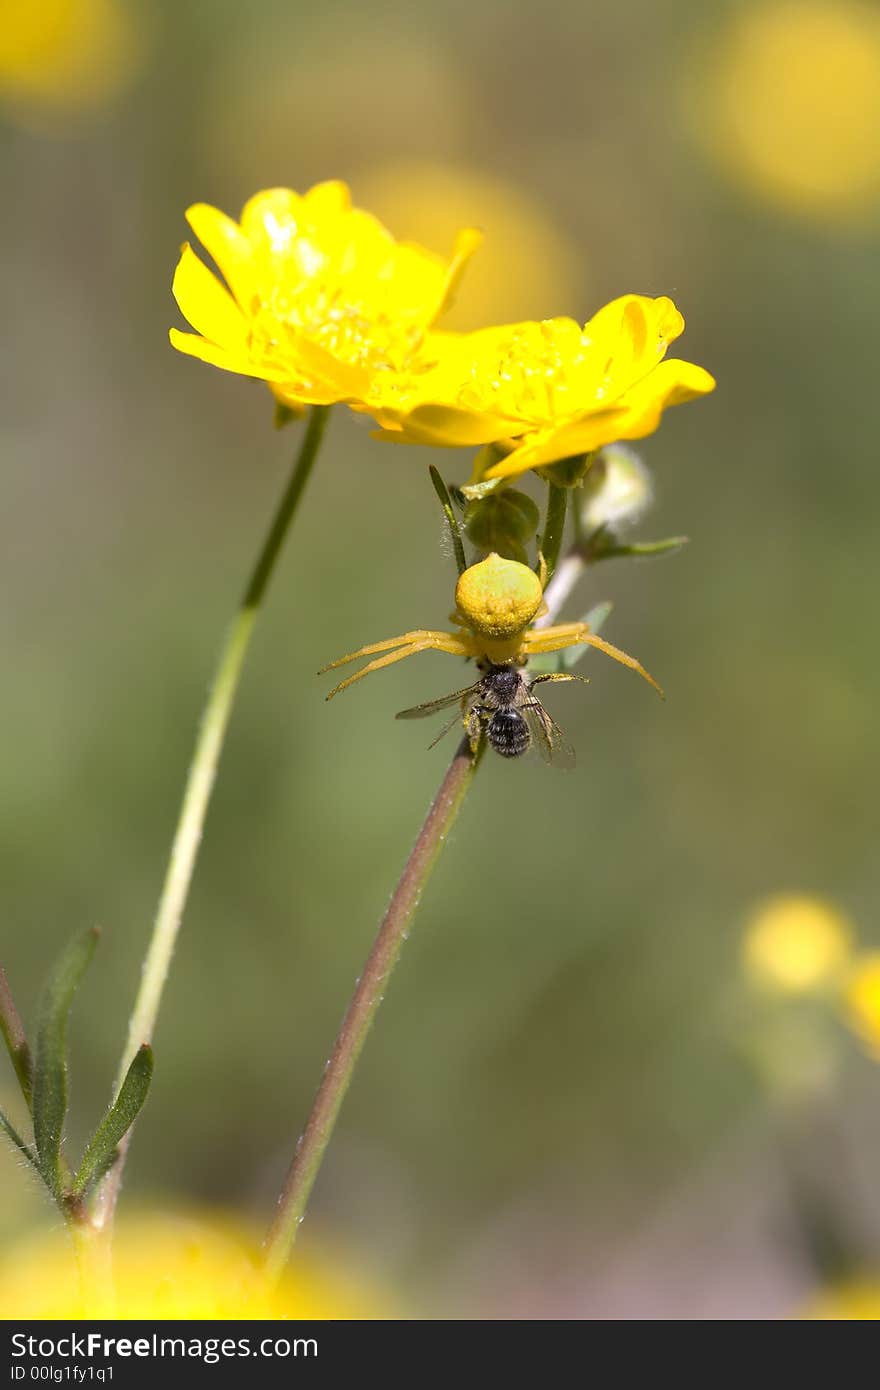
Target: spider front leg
{"points": [[419, 640], [558, 676], [554, 639]]}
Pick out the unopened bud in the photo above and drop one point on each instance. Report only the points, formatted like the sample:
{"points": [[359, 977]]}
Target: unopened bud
{"points": [[503, 522], [617, 490]]}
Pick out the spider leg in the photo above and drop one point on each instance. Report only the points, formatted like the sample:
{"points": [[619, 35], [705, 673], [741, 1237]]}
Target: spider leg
{"points": [[421, 642], [553, 639], [405, 639], [474, 727], [558, 676]]}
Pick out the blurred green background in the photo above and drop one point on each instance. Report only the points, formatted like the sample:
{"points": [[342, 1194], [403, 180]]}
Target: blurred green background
{"points": [[556, 1115]]}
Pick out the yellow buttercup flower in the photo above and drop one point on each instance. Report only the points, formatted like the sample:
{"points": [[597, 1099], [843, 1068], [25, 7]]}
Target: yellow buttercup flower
{"points": [[862, 1000], [321, 298], [544, 391], [795, 944], [184, 1266]]}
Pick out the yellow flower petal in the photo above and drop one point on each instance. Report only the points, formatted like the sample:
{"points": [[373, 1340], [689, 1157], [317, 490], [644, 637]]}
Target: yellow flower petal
{"points": [[467, 242], [448, 427], [230, 361], [327, 200], [206, 304], [329, 306], [225, 241]]}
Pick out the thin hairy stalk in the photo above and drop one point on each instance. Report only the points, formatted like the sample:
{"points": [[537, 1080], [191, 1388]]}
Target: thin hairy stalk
{"points": [[554, 526], [200, 783], [452, 524], [12, 1029], [361, 1011]]}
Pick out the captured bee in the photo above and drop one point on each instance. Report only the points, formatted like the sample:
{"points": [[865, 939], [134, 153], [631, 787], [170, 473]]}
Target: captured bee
{"points": [[502, 704]]}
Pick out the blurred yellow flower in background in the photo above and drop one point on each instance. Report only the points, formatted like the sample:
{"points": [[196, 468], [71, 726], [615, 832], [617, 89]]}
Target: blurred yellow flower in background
{"points": [[854, 1300], [796, 944], [862, 1000], [545, 391], [58, 57], [788, 99], [533, 269], [321, 297], [184, 1266]]}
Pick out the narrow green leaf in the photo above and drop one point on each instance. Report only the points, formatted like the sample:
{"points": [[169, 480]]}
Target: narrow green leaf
{"points": [[100, 1153], [451, 519], [644, 549], [17, 1140], [13, 1035], [50, 1069]]}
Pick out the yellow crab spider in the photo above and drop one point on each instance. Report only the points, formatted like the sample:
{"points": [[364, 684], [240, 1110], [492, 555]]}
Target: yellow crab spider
{"points": [[496, 603]]}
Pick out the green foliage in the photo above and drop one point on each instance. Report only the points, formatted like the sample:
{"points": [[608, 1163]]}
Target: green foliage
{"points": [[101, 1150], [50, 1070], [13, 1134], [48, 1103]]}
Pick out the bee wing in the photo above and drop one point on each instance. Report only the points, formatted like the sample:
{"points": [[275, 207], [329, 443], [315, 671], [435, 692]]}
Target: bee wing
{"points": [[434, 706], [450, 724], [553, 746]]}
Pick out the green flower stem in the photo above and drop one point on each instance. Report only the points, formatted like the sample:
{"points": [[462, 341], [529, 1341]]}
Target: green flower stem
{"points": [[199, 786], [361, 1011], [554, 526]]}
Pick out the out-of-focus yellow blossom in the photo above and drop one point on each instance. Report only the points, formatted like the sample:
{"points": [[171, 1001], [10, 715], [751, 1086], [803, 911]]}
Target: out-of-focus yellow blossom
{"points": [[59, 56], [545, 391], [855, 1300], [862, 1000], [281, 74], [532, 267], [789, 101], [168, 1266], [797, 944], [321, 297]]}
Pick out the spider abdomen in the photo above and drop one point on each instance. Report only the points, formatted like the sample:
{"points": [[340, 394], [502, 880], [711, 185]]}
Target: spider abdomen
{"points": [[508, 733]]}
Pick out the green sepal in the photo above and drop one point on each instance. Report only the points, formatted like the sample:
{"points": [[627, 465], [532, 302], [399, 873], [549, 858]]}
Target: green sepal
{"points": [[284, 415], [473, 491], [101, 1151], [50, 1065], [568, 472]]}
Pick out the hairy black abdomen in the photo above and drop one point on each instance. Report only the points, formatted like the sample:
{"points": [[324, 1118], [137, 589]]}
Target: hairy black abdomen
{"points": [[508, 733]]}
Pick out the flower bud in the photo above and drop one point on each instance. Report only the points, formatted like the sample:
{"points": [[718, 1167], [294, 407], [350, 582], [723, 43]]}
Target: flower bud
{"points": [[617, 490], [504, 523], [568, 472]]}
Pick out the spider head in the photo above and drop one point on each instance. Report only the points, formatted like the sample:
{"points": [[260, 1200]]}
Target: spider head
{"points": [[498, 599]]}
